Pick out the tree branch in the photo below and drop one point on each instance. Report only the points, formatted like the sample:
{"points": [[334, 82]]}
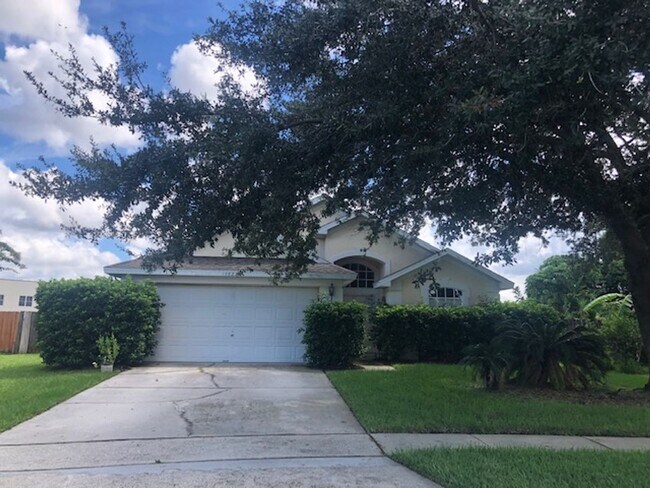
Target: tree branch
{"points": [[297, 123], [614, 152]]}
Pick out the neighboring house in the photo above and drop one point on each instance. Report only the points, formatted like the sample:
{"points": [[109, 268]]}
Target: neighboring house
{"points": [[17, 295], [225, 309]]}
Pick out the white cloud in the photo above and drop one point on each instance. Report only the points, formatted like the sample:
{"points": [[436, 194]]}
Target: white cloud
{"points": [[49, 26], [33, 227], [138, 246], [43, 19], [199, 74], [532, 253]]}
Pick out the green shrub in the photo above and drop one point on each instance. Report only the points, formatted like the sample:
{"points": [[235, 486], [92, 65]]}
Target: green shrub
{"points": [[397, 329], [561, 354], [334, 333], [441, 333], [74, 314], [619, 328]]}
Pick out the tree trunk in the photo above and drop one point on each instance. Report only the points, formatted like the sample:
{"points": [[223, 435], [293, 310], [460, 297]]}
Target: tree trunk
{"points": [[640, 287], [637, 263]]}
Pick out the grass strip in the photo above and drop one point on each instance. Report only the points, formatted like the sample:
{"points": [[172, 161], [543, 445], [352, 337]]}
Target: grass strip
{"points": [[28, 387], [476, 467], [443, 398]]}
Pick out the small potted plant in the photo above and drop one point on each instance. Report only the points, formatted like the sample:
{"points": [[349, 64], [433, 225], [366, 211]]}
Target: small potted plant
{"points": [[108, 350]]}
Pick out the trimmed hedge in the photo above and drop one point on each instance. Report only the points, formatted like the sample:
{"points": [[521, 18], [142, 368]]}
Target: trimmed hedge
{"points": [[74, 314], [441, 333], [334, 333]]}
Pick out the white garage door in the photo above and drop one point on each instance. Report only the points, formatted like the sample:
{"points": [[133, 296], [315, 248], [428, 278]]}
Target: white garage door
{"points": [[232, 323]]}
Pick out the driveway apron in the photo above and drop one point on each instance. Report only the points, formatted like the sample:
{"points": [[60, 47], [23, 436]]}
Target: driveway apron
{"points": [[193, 425]]}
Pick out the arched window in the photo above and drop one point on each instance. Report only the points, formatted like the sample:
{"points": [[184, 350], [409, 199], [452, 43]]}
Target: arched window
{"points": [[365, 276], [445, 297]]}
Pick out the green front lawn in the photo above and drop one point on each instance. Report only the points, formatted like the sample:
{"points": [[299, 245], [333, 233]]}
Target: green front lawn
{"points": [[443, 398], [616, 380], [28, 388], [475, 467]]}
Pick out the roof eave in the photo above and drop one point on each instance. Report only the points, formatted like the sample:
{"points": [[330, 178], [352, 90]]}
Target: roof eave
{"points": [[310, 275]]}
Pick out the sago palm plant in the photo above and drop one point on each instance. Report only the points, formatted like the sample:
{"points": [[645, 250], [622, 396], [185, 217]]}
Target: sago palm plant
{"points": [[562, 355], [490, 363]]}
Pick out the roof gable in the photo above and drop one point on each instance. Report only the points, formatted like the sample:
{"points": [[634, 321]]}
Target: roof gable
{"points": [[504, 283], [327, 228]]}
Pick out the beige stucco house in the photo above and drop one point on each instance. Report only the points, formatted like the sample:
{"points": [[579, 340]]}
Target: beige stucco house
{"points": [[225, 308], [17, 295]]}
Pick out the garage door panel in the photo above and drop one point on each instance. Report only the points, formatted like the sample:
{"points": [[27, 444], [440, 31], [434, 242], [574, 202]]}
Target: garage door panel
{"points": [[234, 324], [243, 334], [244, 314], [171, 333], [202, 334], [266, 354], [265, 295], [177, 312], [285, 354], [285, 335], [224, 313], [285, 313], [263, 315], [264, 335]]}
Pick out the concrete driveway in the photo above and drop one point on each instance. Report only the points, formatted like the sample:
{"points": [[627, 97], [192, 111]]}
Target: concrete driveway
{"points": [[200, 426]]}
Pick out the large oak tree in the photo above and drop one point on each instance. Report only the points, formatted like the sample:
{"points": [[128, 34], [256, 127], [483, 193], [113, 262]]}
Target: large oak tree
{"points": [[492, 118], [9, 257]]}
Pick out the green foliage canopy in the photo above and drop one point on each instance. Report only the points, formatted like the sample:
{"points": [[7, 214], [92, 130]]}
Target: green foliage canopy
{"points": [[496, 119], [558, 284], [9, 255], [569, 282]]}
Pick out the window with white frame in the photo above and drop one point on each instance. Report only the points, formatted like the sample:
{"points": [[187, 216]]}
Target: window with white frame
{"points": [[445, 297], [25, 301], [365, 276], [2, 300]]}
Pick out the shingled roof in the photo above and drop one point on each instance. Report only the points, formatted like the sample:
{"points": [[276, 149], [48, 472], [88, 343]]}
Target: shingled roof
{"points": [[245, 265]]}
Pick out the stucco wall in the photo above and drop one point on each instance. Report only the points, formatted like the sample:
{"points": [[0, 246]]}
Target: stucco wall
{"points": [[12, 290], [348, 240], [220, 249], [226, 241], [318, 211], [344, 240], [476, 287]]}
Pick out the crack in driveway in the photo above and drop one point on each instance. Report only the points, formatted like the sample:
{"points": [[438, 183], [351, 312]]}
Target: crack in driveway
{"points": [[180, 405], [212, 376], [305, 427], [189, 425]]}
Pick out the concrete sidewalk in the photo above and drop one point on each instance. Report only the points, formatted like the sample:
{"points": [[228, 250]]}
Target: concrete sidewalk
{"points": [[397, 442]]}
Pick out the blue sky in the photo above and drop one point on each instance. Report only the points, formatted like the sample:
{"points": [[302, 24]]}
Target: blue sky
{"points": [[29, 128]]}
